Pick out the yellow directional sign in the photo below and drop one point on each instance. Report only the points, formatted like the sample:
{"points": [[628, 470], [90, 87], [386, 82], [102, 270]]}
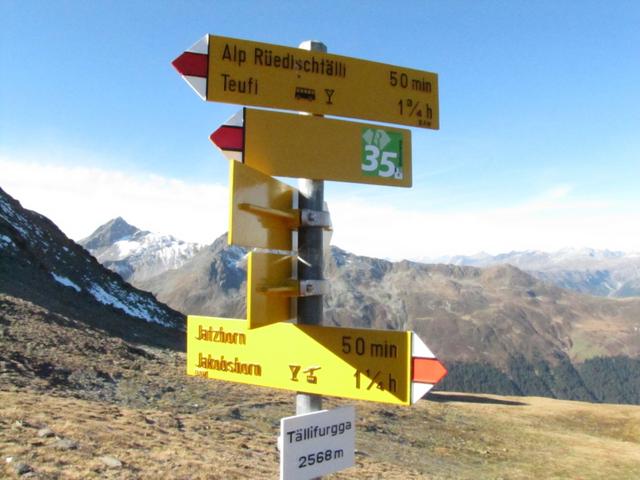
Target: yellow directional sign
{"points": [[244, 72], [270, 287], [362, 364], [261, 214], [288, 145]]}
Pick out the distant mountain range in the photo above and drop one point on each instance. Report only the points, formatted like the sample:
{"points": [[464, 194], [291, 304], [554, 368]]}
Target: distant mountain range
{"points": [[595, 272], [498, 329], [139, 256], [501, 328]]}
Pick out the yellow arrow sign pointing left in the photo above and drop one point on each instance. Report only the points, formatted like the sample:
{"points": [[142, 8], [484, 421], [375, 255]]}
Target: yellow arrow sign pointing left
{"points": [[244, 72], [299, 146]]}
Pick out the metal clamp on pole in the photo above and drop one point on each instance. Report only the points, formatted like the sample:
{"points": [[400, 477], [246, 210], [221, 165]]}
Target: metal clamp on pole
{"points": [[315, 218], [303, 288], [313, 287]]}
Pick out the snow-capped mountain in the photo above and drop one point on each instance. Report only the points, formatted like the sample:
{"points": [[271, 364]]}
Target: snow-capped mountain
{"points": [[41, 264], [137, 255], [565, 259], [585, 270], [213, 282]]}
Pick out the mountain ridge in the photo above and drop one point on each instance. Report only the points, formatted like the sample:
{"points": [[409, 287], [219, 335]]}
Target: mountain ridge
{"points": [[585, 270], [523, 335], [41, 264], [135, 254]]}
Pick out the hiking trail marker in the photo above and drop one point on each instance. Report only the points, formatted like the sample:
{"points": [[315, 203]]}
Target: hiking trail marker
{"points": [[266, 349], [244, 72], [363, 364], [317, 443], [288, 145]]}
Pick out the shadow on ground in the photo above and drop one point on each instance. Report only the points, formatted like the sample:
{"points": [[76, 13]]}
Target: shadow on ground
{"points": [[446, 397]]}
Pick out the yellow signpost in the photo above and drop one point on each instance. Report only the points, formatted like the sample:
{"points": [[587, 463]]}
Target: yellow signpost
{"points": [[362, 364], [374, 365], [288, 145], [261, 213], [244, 72], [270, 287]]}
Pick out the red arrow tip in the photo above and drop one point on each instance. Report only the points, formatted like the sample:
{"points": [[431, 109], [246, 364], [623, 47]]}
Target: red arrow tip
{"points": [[427, 370], [192, 64], [228, 137]]}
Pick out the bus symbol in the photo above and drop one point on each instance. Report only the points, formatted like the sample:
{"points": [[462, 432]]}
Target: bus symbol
{"points": [[305, 93]]}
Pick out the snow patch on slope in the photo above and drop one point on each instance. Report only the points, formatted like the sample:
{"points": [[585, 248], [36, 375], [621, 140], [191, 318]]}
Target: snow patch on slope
{"points": [[66, 282], [130, 303], [27, 230], [6, 242]]}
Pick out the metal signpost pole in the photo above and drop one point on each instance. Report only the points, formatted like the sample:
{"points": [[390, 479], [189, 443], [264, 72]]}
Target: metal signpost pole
{"points": [[311, 265], [266, 213]]}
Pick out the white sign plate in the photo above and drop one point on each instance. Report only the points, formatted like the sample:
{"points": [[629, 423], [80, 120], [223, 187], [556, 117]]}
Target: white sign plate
{"points": [[317, 443]]}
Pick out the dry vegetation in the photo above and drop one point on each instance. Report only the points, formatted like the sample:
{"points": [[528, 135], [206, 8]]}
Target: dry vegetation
{"points": [[234, 435], [115, 409]]}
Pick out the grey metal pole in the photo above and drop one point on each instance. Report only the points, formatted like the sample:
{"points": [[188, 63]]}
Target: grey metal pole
{"points": [[310, 251]]}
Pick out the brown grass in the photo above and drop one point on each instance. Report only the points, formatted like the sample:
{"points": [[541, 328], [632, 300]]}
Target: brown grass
{"points": [[456, 436], [135, 403]]}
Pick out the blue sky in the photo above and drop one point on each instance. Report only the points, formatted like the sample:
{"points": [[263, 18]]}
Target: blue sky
{"points": [[538, 147]]}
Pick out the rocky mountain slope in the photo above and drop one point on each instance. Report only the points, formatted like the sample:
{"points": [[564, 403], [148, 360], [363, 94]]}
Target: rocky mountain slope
{"points": [[40, 264], [499, 328], [137, 255], [212, 283], [479, 314], [596, 272]]}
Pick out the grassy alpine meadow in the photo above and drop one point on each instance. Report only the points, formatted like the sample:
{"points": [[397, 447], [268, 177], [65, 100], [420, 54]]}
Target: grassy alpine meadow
{"points": [[229, 431]]}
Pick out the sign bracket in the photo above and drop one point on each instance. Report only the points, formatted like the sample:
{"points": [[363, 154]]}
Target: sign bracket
{"points": [[310, 288], [292, 217], [303, 288], [281, 291], [315, 218]]}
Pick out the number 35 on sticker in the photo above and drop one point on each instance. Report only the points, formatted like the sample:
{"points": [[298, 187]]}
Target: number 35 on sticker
{"points": [[381, 153]]}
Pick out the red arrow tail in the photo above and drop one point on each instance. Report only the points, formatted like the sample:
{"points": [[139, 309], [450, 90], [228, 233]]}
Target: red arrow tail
{"points": [[229, 137], [192, 64], [427, 370]]}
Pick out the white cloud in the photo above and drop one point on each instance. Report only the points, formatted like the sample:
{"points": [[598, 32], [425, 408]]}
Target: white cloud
{"points": [[549, 222], [79, 199]]}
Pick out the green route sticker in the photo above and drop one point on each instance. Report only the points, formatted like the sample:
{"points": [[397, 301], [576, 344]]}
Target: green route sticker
{"points": [[381, 153]]}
